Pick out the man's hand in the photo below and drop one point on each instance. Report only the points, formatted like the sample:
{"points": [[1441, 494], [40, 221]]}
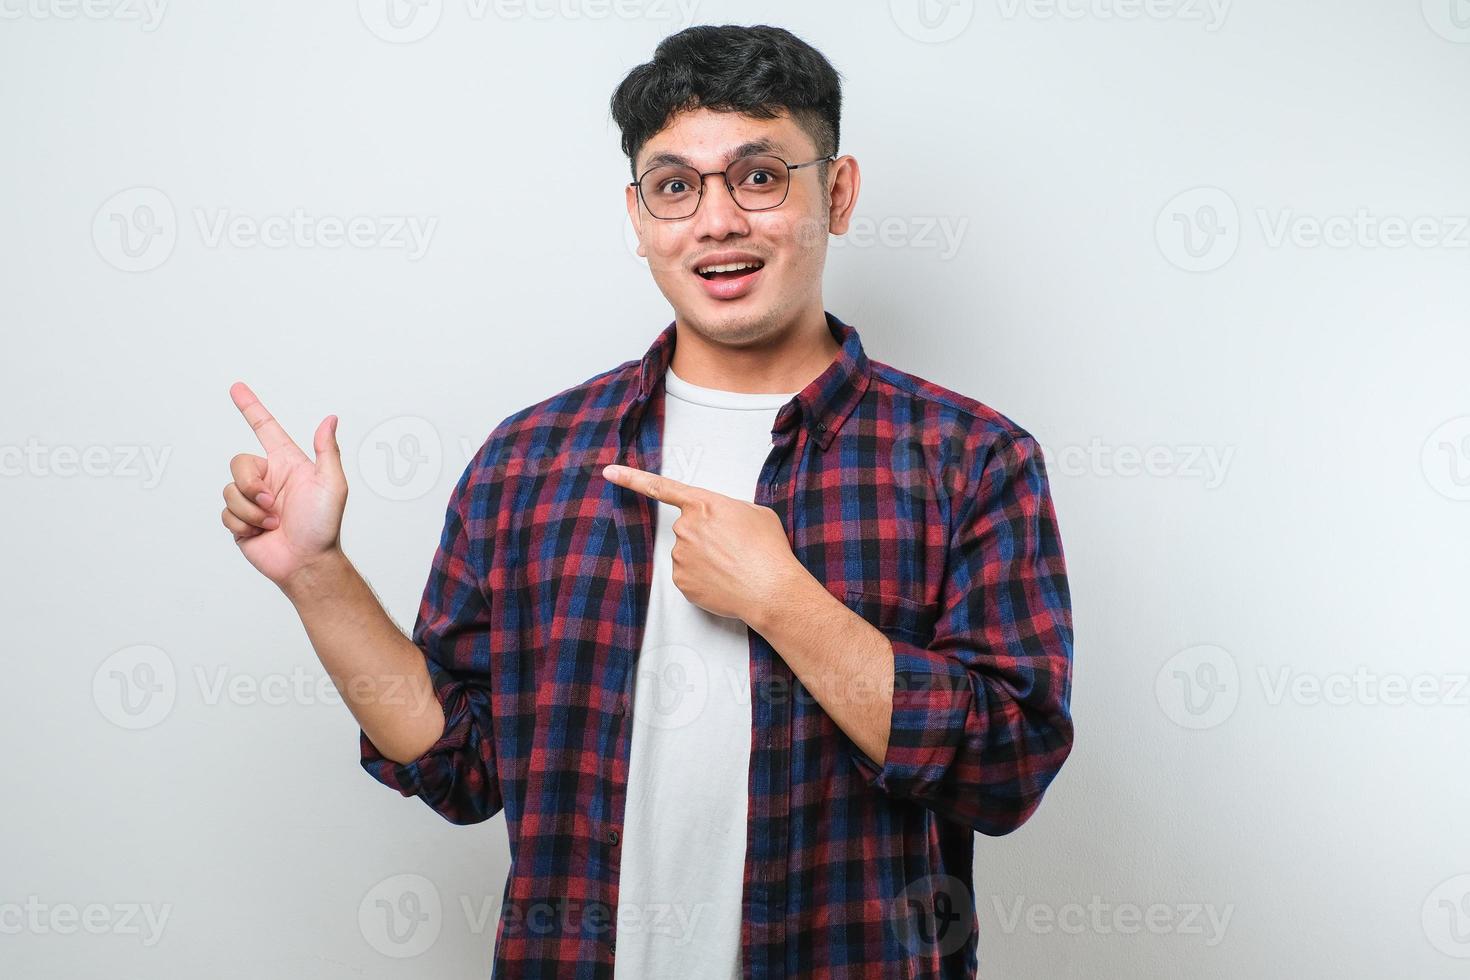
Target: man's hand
{"points": [[284, 510], [731, 556]]}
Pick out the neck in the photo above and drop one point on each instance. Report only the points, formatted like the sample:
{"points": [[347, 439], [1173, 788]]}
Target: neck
{"points": [[785, 359]]}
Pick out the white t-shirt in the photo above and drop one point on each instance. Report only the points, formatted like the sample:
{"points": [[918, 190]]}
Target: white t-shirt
{"points": [[683, 852]]}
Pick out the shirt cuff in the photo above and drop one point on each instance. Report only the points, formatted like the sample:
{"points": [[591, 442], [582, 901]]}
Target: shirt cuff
{"points": [[428, 773], [932, 701]]}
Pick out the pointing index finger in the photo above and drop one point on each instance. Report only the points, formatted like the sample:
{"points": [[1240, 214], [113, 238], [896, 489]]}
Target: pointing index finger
{"points": [[665, 490], [267, 429]]}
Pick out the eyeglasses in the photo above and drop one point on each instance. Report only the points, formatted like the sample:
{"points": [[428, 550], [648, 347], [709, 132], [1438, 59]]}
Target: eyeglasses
{"points": [[757, 183]]}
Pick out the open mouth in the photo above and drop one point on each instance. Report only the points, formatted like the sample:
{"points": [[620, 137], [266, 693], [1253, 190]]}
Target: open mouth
{"points": [[735, 270]]}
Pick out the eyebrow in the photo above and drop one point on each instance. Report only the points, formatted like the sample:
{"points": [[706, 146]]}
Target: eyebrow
{"points": [[751, 148]]}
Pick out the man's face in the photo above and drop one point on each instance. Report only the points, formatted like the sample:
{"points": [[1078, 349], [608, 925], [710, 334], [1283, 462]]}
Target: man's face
{"points": [[790, 241]]}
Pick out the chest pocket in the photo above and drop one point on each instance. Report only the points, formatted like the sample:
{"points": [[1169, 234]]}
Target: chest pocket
{"points": [[908, 618]]}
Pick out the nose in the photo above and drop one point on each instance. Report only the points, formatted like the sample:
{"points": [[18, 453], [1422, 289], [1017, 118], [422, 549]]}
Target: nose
{"points": [[718, 215]]}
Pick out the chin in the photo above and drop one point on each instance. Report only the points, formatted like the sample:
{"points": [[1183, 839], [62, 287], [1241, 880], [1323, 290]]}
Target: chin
{"points": [[731, 325]]}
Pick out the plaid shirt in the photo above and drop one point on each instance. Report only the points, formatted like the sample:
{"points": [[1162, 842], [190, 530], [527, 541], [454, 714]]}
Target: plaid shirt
{"points": [[926, 512]]}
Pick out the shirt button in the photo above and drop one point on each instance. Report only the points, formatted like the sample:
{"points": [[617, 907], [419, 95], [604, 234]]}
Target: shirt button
{"points": [[612, 836], [821, 426]]}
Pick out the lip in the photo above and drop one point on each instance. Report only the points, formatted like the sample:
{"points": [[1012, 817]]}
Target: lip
{"points": [[729, 288], [726, 289]]}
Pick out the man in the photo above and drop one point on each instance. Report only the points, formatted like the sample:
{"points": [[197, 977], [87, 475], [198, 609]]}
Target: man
{"points": [[747, 636]]}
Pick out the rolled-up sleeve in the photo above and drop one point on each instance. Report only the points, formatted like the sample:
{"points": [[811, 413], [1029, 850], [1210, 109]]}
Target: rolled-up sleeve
{"points": [[457, 634], [981, 720]]}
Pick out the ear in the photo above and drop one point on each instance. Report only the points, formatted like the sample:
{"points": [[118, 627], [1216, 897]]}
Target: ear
{"points": [[846, 179], [635, 215]]}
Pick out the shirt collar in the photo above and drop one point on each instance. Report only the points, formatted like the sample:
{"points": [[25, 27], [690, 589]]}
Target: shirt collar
{"points": [[823, 405]]}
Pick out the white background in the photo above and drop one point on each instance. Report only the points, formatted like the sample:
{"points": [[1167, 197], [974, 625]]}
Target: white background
{"points": [[1214, 258]]}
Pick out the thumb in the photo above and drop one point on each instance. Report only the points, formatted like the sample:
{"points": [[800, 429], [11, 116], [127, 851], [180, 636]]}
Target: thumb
{"points": [[328, 453]]}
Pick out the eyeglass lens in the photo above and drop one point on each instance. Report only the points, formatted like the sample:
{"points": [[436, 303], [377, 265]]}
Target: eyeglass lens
{"points": [[673, 191]]}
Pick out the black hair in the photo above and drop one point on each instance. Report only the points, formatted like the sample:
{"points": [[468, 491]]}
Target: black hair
{"points": [[758, 71]]}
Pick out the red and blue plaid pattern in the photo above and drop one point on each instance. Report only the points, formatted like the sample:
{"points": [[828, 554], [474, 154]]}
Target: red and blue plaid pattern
{"points": [[925, 511]]}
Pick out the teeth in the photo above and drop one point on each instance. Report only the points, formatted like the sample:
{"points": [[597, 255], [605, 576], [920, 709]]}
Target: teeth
{"points": [[732, 267]]}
